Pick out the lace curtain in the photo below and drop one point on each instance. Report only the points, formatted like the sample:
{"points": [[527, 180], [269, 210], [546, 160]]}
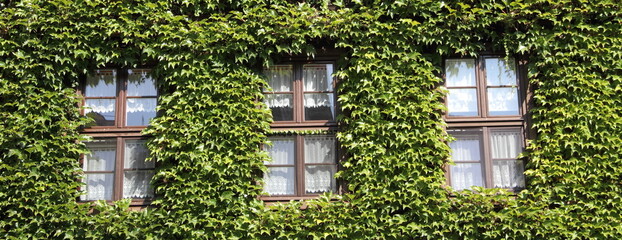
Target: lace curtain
{"points": [[140, 83], [318, 77], [102, 158], [320, 149], [280, 77], [101, 84], [136, 183], [465, 175], [140, 111], [280, 180], [506, 145]]}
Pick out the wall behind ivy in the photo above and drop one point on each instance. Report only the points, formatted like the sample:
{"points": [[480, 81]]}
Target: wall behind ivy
{"points": [[208, 56]]}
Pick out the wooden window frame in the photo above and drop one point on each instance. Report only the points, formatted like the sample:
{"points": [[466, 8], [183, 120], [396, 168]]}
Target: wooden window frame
{"points": [[298, 123], [487, 123], [120, 132]]}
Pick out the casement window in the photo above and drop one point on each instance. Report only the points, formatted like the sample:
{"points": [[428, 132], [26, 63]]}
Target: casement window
{"points": [[485, 114], [121, 103], [301, 97]]}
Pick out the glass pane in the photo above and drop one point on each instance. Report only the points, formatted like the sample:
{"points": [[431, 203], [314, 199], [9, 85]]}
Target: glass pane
{"points": [[460, 72], [506, 143], [102, 83], [281, 151], [503, 101], [136, 184], [98, 186], [320, 149], [102, 156], [280, 77], [140, 83], [101, 110], [466, 148], [462, 102], [319, 179], [317, 77], [508, 174], [139, 111], [319, 106], [466, 175], [500, 72], [280, 181], [135, 154], [281, 106]]}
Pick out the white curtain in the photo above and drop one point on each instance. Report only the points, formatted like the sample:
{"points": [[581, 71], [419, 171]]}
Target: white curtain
{"points": [[281, 151], [466, 175], [320, 179], [320, 149], [101, 84], [140, 83], [507, 145], [101, 106], [280, 77], [278, 100], [318, 77], [102, 156], [280, 181], [135, 154], [460, 72], [465, 148], [98, 186], [136, 184]]}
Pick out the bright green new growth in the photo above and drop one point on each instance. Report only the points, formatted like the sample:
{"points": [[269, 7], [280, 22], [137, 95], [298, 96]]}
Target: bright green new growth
{"points": [[208, 57]]}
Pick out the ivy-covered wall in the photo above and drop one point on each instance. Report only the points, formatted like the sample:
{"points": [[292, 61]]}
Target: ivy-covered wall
{"points": [[208, 57]]}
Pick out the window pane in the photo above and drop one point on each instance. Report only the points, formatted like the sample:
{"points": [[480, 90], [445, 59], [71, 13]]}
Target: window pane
{"points": [[281, 106], [317, 77], [136, 184], [466, 175], [462, 102], [506, 143], [280, 77], [319, 149], [500, 72], [102, 156], [319, 179], [135, 154], [460, 72], [508, 173], [98, 186], [102, 83], [503, 101], [319, 106], [101, 110], [281, 151], [280, 181], [140, 83], [465, 148], [140, 111]]}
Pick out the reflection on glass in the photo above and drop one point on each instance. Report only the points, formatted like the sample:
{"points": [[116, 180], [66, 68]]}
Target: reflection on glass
{"points": [[462, 102], [505, 143], [319, 106], [139, 111], [317, 77], [98, 186], [101, 110], [319, 179], [136, 152], [102, 83], [508, 174], [460, 72], [102, 156], [281, 151], [136, 184], [465, 148], [503, 101], [466, 175], [280, 181], [140, 83], [500, 72], [281, 106], [280, 78], [319, 149]]}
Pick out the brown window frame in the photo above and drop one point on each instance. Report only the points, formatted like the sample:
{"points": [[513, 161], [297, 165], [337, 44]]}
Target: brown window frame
{"points": [[120, 131], [487, 123], [298, 123]]}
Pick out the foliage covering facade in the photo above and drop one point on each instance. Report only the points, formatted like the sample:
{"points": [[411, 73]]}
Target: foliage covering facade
{"points": [[208, 56]]}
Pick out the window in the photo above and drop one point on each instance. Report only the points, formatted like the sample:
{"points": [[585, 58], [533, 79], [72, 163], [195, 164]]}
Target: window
{"points": [[121, 103], [301, 97], [485, 114]]}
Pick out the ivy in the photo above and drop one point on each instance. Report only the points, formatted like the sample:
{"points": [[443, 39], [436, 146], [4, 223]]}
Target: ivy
{"points": [[208, 56]]}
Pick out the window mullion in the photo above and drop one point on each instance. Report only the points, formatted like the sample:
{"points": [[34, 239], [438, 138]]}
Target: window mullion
{"points": [[299, 146], [487, 154], [118, 173], [482, 87]]}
